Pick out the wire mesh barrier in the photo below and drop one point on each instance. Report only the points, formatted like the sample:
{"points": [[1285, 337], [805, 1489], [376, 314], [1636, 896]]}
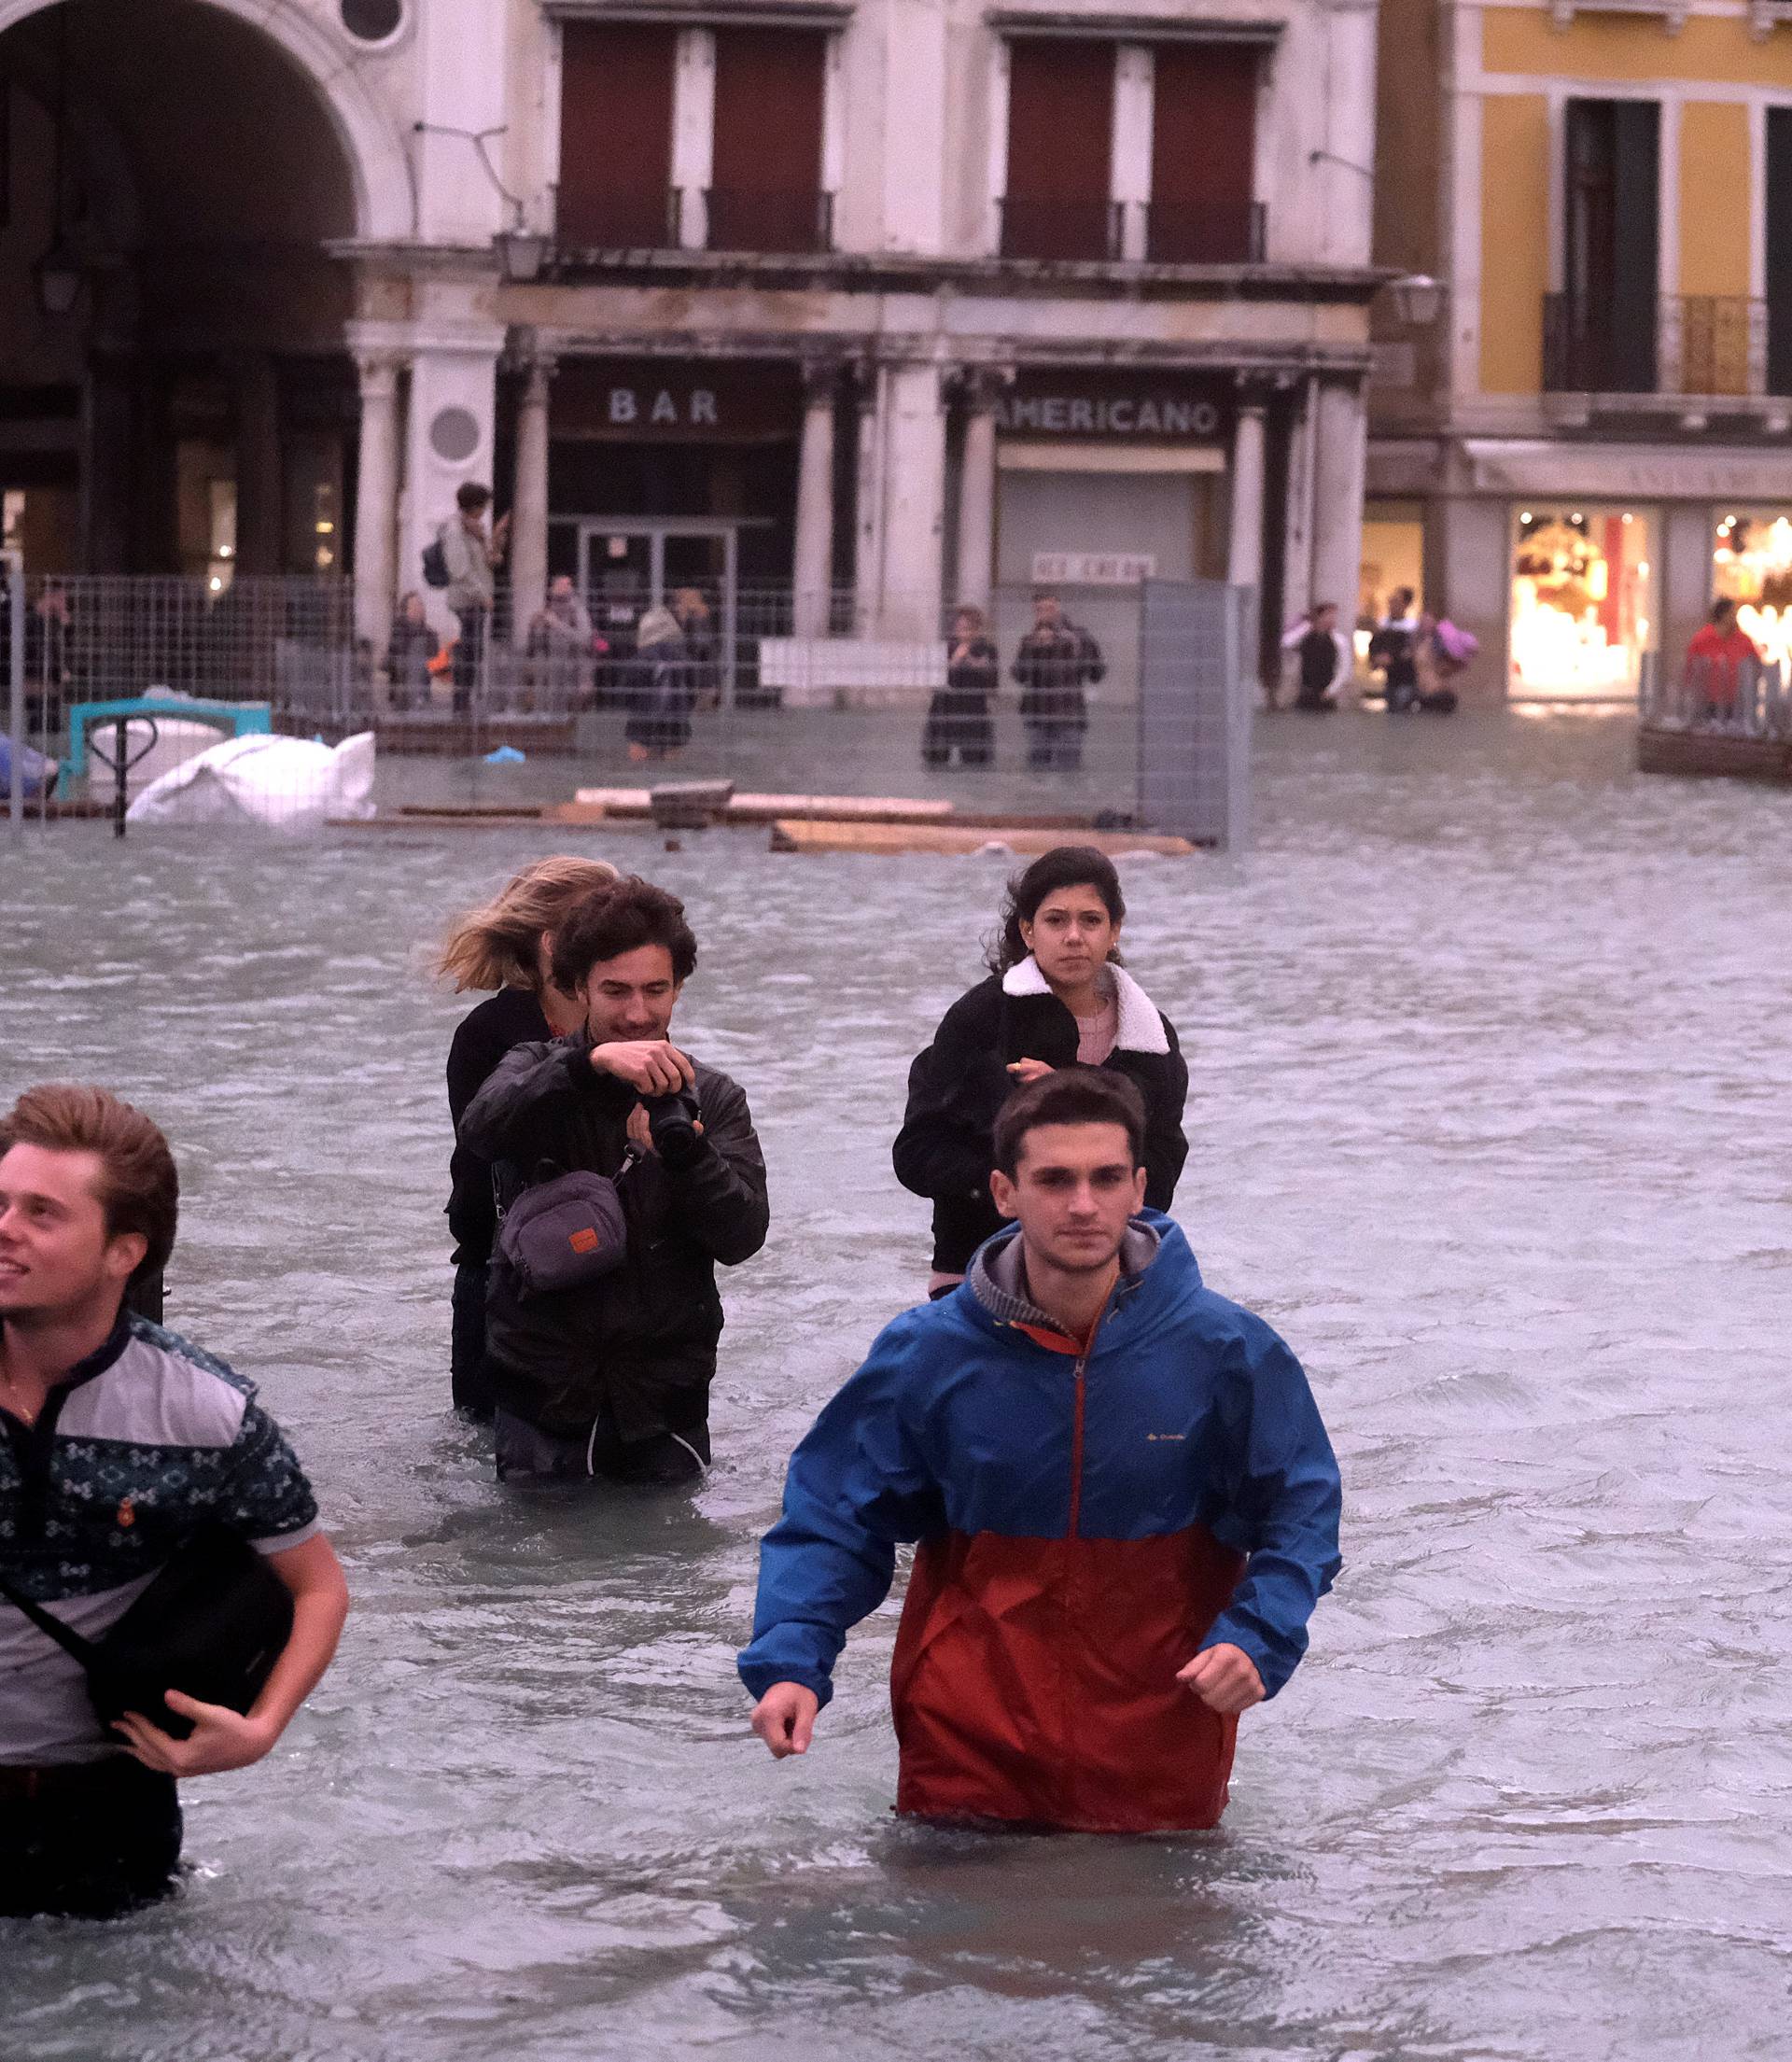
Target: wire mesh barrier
{"points": [[1720, 695], [184, 702]]}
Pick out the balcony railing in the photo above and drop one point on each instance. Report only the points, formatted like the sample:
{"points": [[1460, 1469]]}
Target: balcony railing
{"points": [[619, 222], [1700, 347], [1086, 229], [1227, 232], [759, 219]]}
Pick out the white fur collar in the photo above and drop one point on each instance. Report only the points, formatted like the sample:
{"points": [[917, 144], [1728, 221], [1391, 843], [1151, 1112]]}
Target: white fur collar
{"points": [[1141, 1027]]}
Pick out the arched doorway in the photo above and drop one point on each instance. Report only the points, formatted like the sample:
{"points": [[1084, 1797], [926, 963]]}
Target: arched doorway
{"points": [[176, 394]]}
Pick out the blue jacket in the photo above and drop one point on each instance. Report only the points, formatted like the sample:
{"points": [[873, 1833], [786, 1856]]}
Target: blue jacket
{"points": [[1087, 1520]]}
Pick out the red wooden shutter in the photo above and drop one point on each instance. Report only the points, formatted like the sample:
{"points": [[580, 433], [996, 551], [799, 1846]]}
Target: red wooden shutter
{"points": [[766, 190], [1061, 147], [616, 133], [1204, 130]]}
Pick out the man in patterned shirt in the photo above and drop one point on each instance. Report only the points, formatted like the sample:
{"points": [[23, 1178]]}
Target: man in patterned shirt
{"points": [[117, 1442]]}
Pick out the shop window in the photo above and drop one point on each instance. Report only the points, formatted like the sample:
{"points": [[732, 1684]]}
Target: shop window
{"points": [[1751, 562], [1394, 551], [1583, 601], [616, 134], [766, 185], [1203, 147], [1060, 140]]}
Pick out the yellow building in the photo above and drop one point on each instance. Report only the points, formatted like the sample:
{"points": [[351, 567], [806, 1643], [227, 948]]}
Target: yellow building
{"points": [[1594, 436]]}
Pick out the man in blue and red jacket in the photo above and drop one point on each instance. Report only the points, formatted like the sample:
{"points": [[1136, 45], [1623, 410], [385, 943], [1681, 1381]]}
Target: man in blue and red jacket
{"points": [[1126, 1504]]}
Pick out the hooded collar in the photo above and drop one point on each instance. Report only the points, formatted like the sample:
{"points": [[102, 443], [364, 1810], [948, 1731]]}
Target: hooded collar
{"points": [[998, 1278], [1140, 1026]]}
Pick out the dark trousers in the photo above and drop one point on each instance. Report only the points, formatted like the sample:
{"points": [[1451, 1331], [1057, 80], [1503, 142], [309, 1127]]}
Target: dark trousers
{"points": [[527, 1455], [89, 1842], [1054, 744], [469, 1373], [469, 649]]}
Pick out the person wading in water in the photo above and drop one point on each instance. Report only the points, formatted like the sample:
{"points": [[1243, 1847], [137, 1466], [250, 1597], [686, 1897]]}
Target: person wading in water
{"points": [[1057, 995], [1126, 1504]]}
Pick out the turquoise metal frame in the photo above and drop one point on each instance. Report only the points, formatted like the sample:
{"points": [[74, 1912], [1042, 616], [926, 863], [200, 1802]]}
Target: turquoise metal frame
{"points": [[235, 718]]}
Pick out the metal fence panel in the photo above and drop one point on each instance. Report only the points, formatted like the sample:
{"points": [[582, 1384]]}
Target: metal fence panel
{"points": [[608, 695], [1197, 659]]}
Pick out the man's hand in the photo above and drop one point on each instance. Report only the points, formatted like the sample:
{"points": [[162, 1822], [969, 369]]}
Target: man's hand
{"points": [[651, 1066], [640, 1133], [1224, 1678], [784, 1719], [1026, 1072], [220, 1739]]}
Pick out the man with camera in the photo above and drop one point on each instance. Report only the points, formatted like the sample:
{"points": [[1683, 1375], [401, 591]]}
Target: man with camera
{"points": [[602, 1313], [1056, 661]]}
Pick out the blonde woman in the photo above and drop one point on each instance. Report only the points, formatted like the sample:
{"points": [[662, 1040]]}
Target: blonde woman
{"points": [[504, 945]]}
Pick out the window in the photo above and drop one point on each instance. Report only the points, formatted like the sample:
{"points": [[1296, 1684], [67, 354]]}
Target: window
{"points": [[1060, 141], [616, 134], [1203, 148], [1779, 250], [765, 184], [1600, 331]]}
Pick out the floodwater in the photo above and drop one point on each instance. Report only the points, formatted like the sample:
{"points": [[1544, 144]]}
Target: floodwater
{"points": [[1489, 1040]]}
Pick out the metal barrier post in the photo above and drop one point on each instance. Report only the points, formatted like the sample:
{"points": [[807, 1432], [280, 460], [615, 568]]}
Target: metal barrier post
{"points": [[15, 565]]}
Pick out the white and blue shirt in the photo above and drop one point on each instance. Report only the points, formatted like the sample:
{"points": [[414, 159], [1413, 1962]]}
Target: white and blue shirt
{"points": [[148, 1440]]}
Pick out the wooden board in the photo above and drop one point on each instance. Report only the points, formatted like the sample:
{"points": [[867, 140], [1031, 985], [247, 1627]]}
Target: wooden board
{"points": [[805, 835], [834, 808], [1710, 752]]}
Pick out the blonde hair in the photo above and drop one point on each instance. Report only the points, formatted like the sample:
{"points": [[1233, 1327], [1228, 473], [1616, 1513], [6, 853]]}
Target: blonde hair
{"points": [[496, 945]]}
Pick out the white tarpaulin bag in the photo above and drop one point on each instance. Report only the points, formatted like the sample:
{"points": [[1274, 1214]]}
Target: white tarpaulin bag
{"points": [[290, 783]]}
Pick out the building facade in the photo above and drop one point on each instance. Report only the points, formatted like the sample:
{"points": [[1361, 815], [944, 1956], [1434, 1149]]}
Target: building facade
{"points": [[881, 303], [1596, 439]]}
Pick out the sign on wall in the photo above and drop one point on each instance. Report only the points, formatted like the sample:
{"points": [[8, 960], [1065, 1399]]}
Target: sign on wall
{"points": [[1117, 408], [1093, 568]]}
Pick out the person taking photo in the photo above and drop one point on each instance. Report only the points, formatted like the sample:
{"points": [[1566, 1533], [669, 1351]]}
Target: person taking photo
{"points": [[120, 1443], [1124, 1502], [1055, 995], [613, 1378]]}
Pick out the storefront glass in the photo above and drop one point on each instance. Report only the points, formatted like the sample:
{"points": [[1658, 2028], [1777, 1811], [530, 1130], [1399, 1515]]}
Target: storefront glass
{"points": [[1583, 601], [1751, 562]]}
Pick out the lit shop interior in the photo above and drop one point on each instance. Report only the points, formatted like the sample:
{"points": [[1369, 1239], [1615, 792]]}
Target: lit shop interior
{"points": [[1583, 601], [1751, 562]]}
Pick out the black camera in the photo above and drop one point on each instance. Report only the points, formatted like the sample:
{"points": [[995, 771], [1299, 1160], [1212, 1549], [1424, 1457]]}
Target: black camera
{"points": [[672, 1125]]}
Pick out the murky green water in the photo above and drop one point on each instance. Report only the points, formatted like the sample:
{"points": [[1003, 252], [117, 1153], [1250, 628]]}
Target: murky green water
{"points": [[1490, 1053]]}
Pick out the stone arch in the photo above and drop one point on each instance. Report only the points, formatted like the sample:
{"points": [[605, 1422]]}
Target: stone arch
{"points": [[379, 169]]}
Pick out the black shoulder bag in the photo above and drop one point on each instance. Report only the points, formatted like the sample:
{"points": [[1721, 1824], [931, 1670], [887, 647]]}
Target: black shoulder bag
{"points": [[212, 1622]]}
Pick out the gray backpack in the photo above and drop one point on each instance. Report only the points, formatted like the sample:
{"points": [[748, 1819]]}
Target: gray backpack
{"points": [[563, 1234]]}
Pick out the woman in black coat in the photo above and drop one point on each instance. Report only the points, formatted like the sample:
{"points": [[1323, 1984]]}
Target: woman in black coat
{"points": [[506, 946], [1056, 996]]}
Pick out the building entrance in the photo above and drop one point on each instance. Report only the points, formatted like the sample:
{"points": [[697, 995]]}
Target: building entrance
{"points": [[628, 565]]}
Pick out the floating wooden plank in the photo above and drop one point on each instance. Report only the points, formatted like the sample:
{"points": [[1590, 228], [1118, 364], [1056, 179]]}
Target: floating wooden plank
{"points": [[1710, 752], [807, 834], [836, 809]]}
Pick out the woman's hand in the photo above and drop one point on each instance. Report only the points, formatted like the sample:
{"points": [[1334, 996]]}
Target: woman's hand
{"points": [[1026, 1072]]}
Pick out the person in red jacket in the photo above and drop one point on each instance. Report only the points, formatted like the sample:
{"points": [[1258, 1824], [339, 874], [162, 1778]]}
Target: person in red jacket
{"points": [[1126, 1504], [1715, 658]]}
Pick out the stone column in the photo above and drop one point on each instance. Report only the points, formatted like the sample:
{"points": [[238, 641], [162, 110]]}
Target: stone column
{"points": [[1244, 556], [529, 502], [813, 572], [1297, 526], [974, 582], [911, 435], [377, 500], [1340, 449]]}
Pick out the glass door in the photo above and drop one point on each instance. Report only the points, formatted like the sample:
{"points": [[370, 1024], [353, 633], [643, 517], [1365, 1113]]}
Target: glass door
{"points": [[630, 565]]}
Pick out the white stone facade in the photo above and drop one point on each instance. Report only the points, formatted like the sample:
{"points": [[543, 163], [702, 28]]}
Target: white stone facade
{"points": [[902, 337]]}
